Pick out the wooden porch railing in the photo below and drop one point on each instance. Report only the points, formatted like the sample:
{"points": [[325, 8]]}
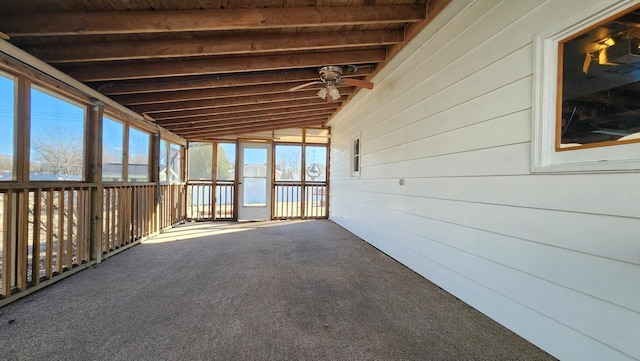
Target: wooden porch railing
{"points": [[203, 204], [172, 205], [46, 228], [45, 233], [293, 200]]}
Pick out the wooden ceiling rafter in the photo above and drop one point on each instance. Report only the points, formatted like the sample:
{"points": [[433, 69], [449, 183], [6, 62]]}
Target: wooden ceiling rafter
{"points": [[248, 133], [231, 45], [293, 105], [266, 125], [200, 94], [227, 102], [213, 123], [331, 107], [21, 24], [218, 81], [220, 65]]}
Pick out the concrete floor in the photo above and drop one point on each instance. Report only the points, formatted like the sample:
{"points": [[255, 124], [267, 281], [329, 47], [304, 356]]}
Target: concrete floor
{"points": [[296, 290]]}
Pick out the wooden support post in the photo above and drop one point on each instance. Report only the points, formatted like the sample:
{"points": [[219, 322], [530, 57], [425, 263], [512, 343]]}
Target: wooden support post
{"points": [[214, 181], [155, 177], [236, 203], [125, 155], [327, 177], [183, 182], [19, 232], [303, 188], [94, 175]]}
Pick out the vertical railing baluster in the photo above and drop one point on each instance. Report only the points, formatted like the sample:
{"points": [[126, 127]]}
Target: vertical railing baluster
{"points": [[7, 249], [35, 253], [60, 239], [69, 236], [49, 264]]}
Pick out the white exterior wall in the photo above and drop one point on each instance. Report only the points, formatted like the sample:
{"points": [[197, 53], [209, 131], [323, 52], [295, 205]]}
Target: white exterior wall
{"points": [[553, 257]]}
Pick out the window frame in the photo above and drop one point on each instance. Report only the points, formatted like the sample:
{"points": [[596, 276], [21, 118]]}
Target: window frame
{"points": [[305, 167], [355, 153], [163, 143], [545, 157], [149, 153], [173, 146], [216, 161], [64, 97], [124, 125]]}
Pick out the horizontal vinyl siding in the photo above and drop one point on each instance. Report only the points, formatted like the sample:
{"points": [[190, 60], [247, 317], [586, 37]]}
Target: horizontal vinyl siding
{"points": [[554, 257]]}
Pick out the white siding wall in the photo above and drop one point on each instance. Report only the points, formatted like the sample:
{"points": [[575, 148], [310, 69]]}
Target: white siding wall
{"points": [[554, 257]]}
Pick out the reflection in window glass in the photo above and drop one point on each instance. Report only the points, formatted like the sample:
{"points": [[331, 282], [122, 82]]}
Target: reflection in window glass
{"points": [[255, 192], [600, 79], [57, 138], [288, 163], [175, 169], [7, 95], [138, 156], [162, 161], [112, 140], [255, 177], [315, 164], [200, 161], [226, 161]]}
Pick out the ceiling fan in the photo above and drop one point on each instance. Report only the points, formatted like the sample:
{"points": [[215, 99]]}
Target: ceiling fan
{"points": [[329, 77]]}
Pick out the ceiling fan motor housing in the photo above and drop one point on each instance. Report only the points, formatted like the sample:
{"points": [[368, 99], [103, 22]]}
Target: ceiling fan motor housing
{"points": [[330, 74]]}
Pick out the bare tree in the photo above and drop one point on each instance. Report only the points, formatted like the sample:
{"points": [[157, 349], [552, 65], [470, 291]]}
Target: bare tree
{"points": [[59, 151]]}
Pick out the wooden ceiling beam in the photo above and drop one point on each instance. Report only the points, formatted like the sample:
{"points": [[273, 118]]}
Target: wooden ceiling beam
{"points": [[247, 132], [199, 94], [187, 127], [230, 45], [292, 106], [216, 81], [267, 124], [162, 21], [167, 68], [328, 107], [226, 102], [255, 128]]}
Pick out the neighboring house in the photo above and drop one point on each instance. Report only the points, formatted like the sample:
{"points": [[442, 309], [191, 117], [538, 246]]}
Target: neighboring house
{"points": [[112, 172], [448, 184]]}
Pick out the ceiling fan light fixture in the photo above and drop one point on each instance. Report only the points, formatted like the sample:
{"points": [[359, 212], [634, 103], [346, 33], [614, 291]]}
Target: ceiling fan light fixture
{"points": [[334, 92], [322, 93]]}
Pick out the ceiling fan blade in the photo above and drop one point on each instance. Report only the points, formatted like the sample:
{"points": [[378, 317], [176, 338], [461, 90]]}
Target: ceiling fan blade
{"points": [[305, 85], [358, 83]]}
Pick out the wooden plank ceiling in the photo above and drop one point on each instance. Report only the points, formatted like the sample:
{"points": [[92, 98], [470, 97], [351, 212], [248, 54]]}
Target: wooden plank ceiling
{"points": [[207, 69]]}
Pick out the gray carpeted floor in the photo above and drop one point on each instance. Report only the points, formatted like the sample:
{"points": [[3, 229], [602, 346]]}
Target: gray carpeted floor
{"points": [[297, 290]]}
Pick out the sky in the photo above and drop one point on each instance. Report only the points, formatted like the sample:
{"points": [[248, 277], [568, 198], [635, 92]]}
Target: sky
{"points": [[255, 156], [230, 151], [113, 136], [6, 115]]}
